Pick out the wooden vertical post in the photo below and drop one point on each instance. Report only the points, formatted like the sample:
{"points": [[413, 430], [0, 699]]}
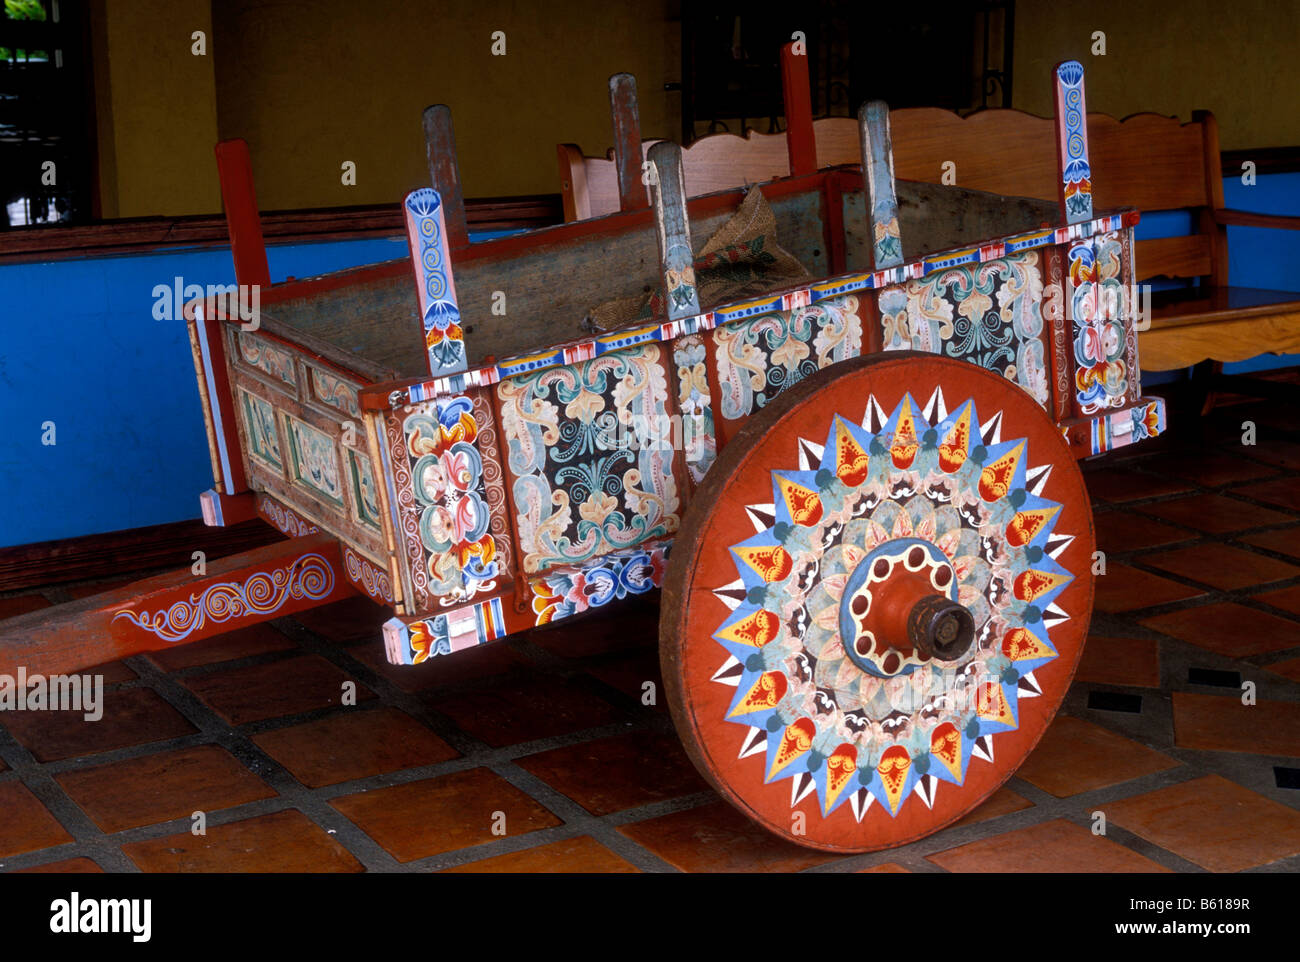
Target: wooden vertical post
{"points": [[444, 173], [800, 141], [627, 141], [235, 171], [673, 230], [435, 288], [878, 172], [1072, 142]]}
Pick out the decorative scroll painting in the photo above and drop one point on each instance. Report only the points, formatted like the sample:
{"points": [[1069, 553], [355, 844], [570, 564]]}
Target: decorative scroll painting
{"points": [[695, 405], [834, 709], [260, 430], [314, 460], [262, 593], [442, 508], [621, 574], [284, 519], [1059, 338], [590, 450], [494, 483], [364, 496], [760, 357], [334, 391], [259, 354], [1072, 132], [371, 579], [878, 156], [1100, 344], [989, 314], [426, 233]]}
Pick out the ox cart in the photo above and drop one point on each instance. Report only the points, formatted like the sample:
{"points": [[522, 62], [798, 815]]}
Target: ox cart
{"points": [[858, 491]]}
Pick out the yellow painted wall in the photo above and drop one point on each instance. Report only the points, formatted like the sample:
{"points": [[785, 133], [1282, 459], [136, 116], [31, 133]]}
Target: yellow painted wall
{"points": [[1240, 60], [156, 108], [314, 83]]}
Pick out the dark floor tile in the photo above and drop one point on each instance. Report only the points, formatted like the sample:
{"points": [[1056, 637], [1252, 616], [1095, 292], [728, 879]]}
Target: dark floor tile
{"points": [[631, 674], [132, 716], [1002, 802], [1212, 822], [26, 825], [1228, 629], [522, 708], [1119, 531], [353, 619], [1124, 588], [1210, 469], [67, 866], [273, 689], [1221, 566], [1076, 756], [1221, 723], [1287, 599], [611, 774], [1055, 846], [1282, 540], [1120, 484], [717, 838], [281, 842], [158, 788], [1290, 668], [471, 664], [1283, 492], [1285, 454], [444, 814], [1214, 513], [354, 744], [1133, 662], [240, 643], [581, 854], [621, 627]]}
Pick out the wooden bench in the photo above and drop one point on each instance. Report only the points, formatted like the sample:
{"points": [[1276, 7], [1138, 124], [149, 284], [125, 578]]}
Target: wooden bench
{"points": [[1147, 161]]}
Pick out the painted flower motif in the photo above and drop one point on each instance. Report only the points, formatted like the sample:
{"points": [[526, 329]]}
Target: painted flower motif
{"points": [[598, 507]]}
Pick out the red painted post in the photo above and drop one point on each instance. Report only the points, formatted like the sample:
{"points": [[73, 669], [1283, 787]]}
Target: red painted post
{"points": [[800, 140], [235, 170]]}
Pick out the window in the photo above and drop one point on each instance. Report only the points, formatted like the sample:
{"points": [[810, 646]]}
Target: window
{"points": [[45, 160]]}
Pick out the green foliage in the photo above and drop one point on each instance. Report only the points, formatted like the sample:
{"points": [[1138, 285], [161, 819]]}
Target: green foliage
{"points": [[25, 9]]}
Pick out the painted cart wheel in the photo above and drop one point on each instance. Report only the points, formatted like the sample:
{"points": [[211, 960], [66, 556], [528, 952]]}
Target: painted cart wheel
{"points": [[877, 600]]}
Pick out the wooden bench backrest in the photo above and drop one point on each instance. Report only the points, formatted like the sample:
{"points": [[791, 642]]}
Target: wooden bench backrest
{"points": [[1148, 161]]}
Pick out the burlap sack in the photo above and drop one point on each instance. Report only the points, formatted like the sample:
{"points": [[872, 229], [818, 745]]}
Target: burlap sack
{"points": [[743, 259]]}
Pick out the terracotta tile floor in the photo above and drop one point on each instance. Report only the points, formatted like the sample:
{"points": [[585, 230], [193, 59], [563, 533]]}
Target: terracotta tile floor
{"points": [[549, 752]]}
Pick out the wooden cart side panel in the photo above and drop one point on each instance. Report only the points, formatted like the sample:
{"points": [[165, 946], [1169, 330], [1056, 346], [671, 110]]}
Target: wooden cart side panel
{"points": [[1055, 316], [212, 365], [759, 357], [300, 443], [549, 597], [989, 313], [588, 470], [445, 485], [205, 402]]}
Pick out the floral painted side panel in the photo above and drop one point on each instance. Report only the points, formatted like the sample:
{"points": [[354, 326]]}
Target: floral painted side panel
{"points": [[1102, 370], [442, 508], [989, 314], [760, 357], [591, 469]]}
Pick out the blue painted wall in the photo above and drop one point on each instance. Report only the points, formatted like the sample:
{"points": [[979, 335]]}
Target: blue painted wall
{"points": [[80, 348]]}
